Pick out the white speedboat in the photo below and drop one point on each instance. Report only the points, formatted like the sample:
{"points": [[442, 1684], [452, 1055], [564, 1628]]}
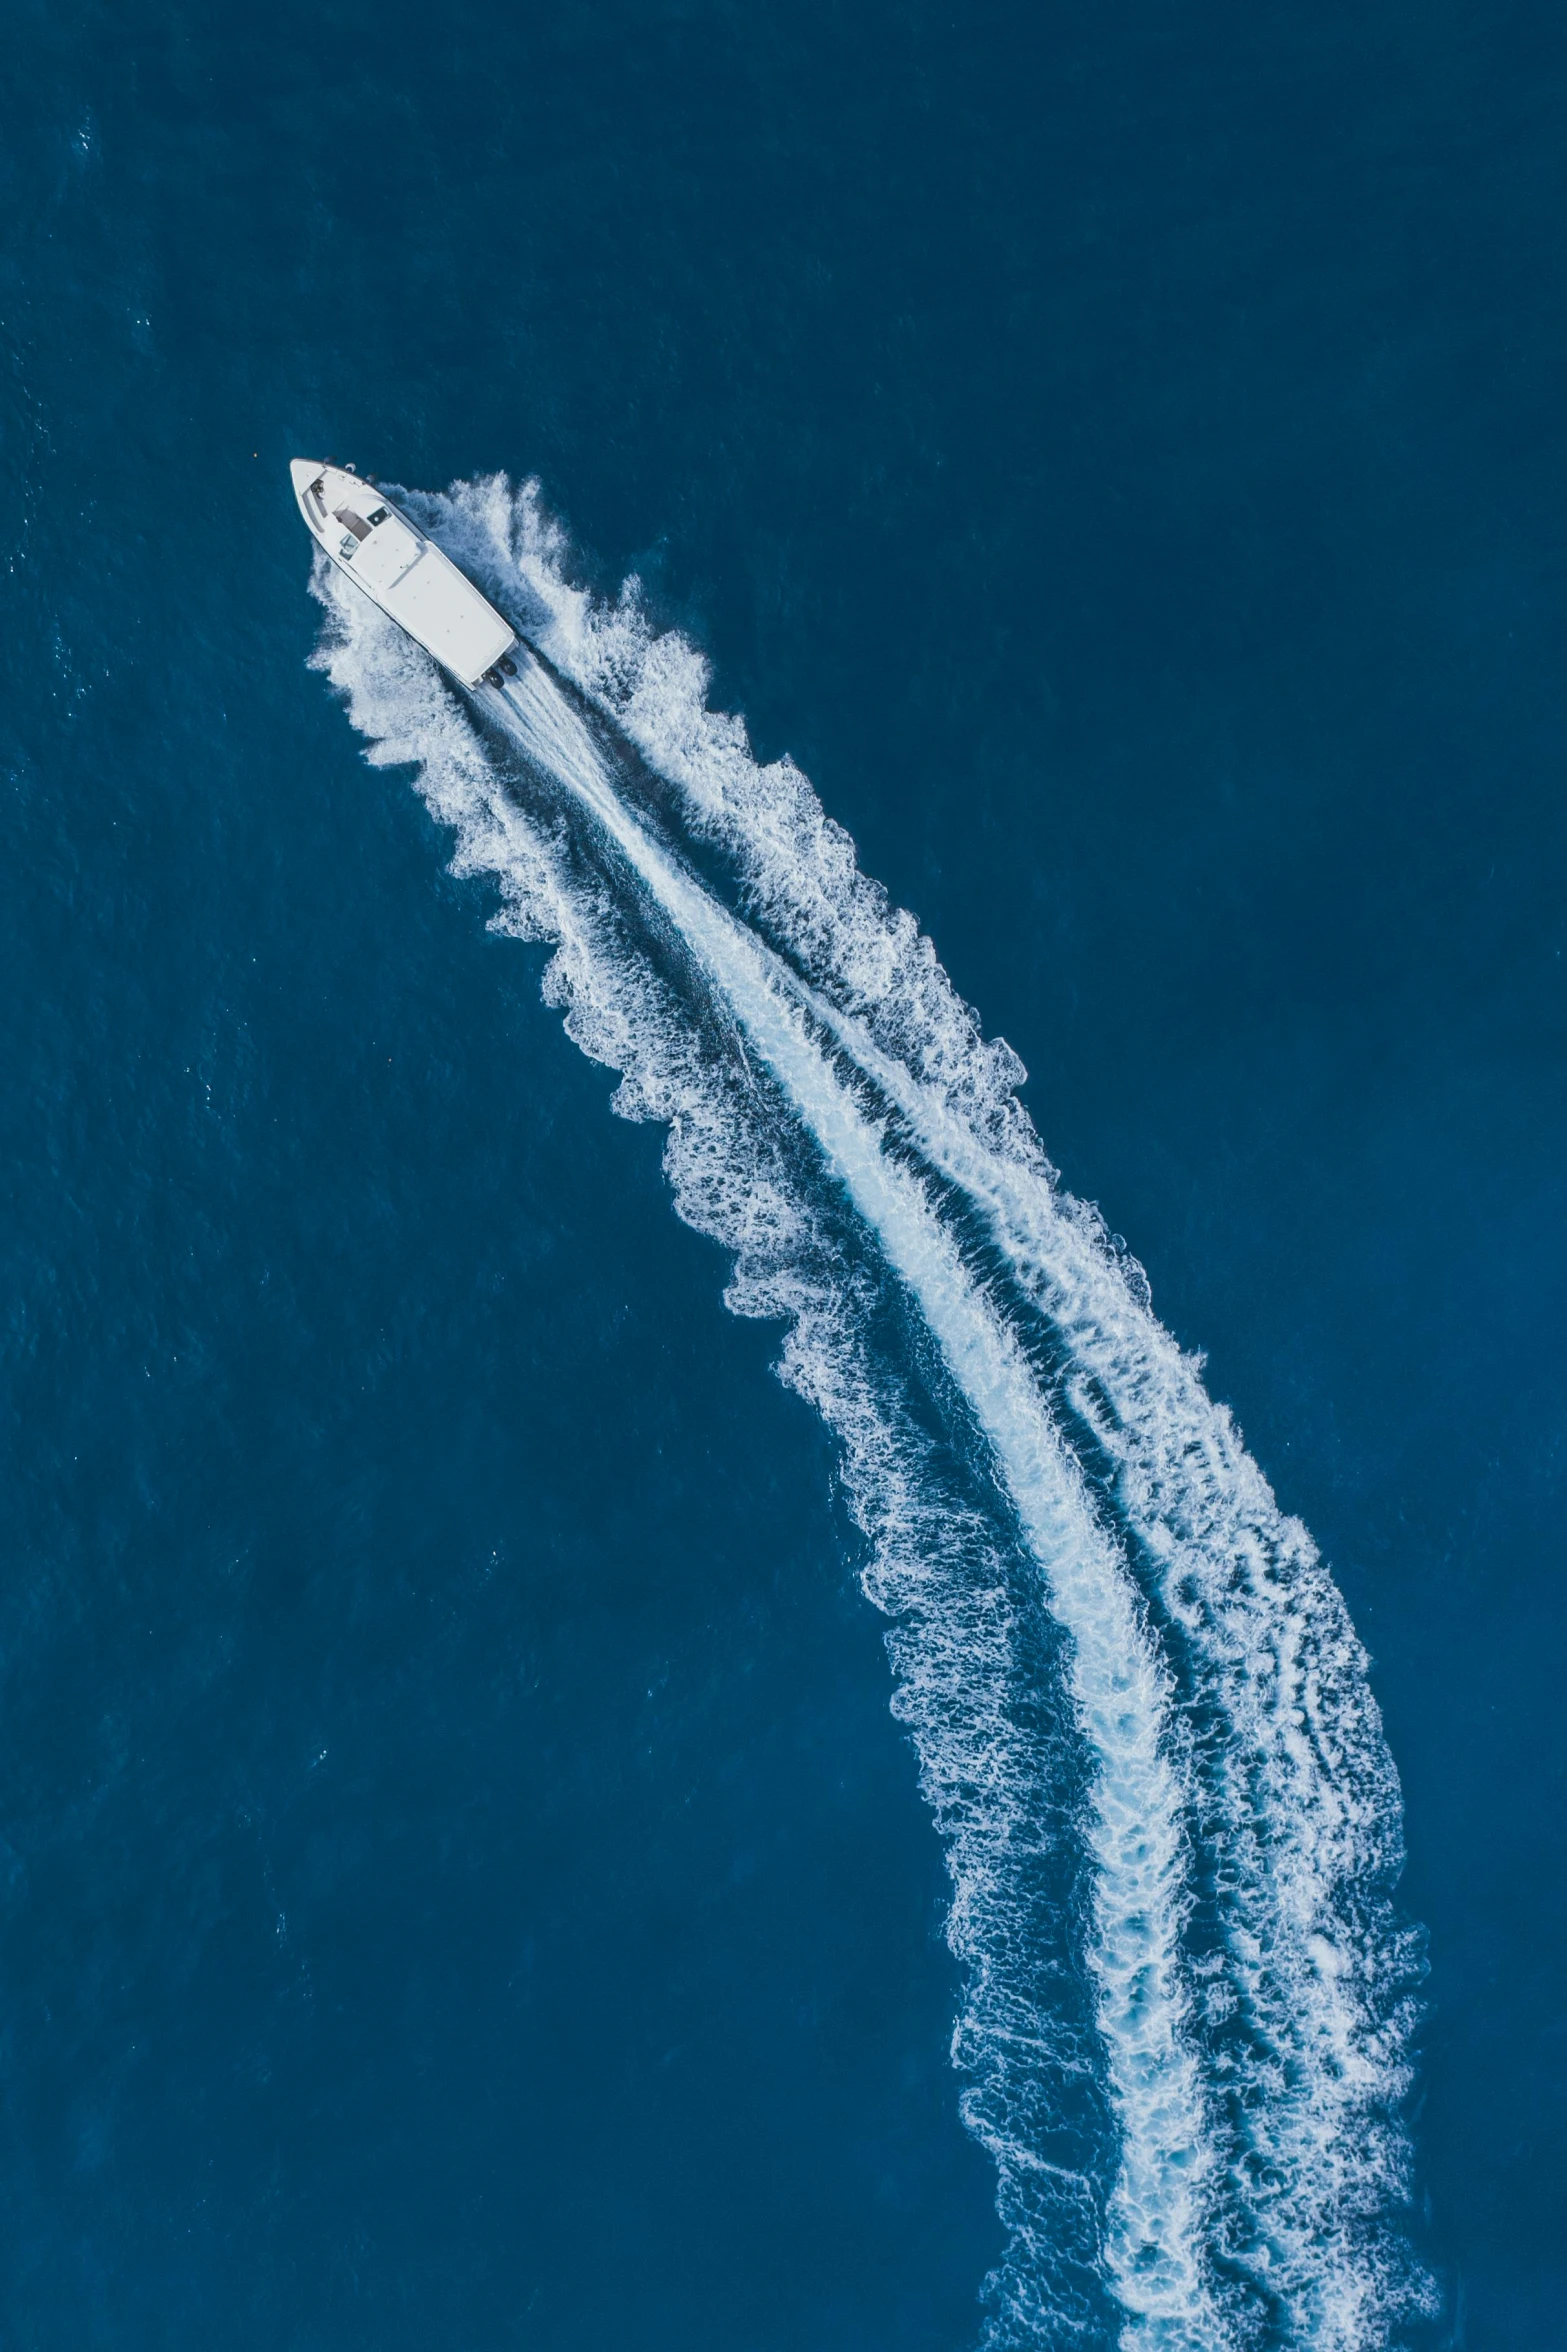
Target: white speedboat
{"points": [[402, 571]]}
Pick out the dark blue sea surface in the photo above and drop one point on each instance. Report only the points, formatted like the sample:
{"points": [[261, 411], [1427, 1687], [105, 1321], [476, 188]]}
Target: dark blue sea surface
{"points": [[461, 1881]]}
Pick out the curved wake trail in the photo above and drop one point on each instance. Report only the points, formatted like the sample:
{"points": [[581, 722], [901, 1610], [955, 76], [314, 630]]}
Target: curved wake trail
{"points": [[1251, 1993], [1157, 2208]]}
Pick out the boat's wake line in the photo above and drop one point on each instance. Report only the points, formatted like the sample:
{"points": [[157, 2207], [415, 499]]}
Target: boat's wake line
{"points": [[1189, 2078]]}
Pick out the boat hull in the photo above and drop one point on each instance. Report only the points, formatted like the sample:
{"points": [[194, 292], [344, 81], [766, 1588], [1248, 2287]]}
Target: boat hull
{"points": [[390, 559]]}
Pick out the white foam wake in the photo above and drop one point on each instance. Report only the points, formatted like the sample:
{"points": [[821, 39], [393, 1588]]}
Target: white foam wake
{"points": [[1261, 2126], [1158, 2205], [1155, 2215], [1309, 1984]]}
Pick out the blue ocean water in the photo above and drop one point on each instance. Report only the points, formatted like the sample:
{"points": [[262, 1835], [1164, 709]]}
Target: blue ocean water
{"points": [[463, 1879]]}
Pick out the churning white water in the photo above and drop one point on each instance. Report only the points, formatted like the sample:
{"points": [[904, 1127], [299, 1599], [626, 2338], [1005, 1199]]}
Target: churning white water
{"points": [[1236, 1810]]}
